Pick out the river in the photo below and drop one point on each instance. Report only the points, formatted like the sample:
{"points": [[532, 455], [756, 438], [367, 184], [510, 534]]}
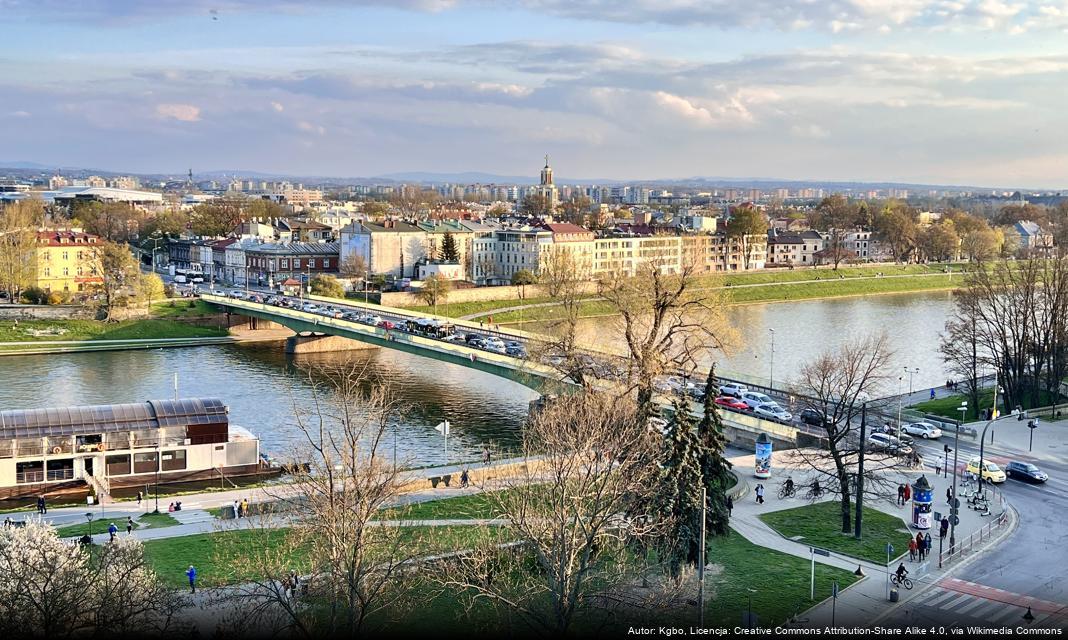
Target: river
{"points": [[261, 384]]}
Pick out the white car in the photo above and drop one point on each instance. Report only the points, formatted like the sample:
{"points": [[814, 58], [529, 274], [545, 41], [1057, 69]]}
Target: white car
{"points": [[197, 279], [310, 308], [772, 411], [733, 389], [753, 399], [238, 295], [925, 430]]}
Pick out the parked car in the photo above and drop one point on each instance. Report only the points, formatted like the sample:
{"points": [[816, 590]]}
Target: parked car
{"points": [[888, 444], [991, 471], [733, 389], [1025, 471], [925, 430], [732, 403], [753, 398], [772, 411], [814, 417]]}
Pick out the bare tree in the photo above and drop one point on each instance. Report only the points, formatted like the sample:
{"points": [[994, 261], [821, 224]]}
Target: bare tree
{"points": [[569, 510], [357, 569], [837, 384], [19, 222], [52, 588]]}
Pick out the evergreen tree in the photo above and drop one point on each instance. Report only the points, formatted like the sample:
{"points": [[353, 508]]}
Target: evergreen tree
{"points": [[715, 469], [449, 252], [680, 492]]}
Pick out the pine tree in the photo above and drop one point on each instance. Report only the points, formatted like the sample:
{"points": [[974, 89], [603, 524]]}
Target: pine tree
{"points": [[715, 469], [449, 252], [680, 492]]}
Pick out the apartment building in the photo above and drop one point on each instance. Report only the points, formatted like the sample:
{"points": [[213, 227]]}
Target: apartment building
{"points": [[66, 260], [789, 249]]}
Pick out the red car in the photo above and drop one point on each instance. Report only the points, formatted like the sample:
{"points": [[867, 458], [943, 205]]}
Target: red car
{"points": [[386, 324], [731, 403]]}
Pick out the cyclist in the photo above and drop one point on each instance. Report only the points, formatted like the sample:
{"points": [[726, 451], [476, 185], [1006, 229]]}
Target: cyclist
{"points": [[788, 486], [816, 490], [901, 572]]}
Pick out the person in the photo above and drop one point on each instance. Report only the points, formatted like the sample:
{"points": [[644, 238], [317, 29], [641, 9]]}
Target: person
{"points": [[932, 394], [294, 583], [938, 466], [44, 506], [730, 506], [244, 508], [464, 479], [949, 495], [919, 543], [170, 508], [816, 490], [760, 494], [192, 575], [908, 493], [237, 509], [901, 571], [129, 525], [177, 505], [927, 543], [901, 494], [112, 530], [912, 549], [943, 527], [139, 496], [789, 485]]}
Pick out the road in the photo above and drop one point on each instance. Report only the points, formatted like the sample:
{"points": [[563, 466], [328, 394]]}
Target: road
{"points": [[1029, 568]]}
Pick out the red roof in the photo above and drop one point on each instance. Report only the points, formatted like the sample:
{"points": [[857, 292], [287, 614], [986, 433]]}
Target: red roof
{"points": [[62, 238], [567, 229]]}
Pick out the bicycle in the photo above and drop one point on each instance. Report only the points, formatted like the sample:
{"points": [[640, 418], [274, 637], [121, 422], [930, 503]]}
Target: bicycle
{"points": [[900, 582], [787, 492]]}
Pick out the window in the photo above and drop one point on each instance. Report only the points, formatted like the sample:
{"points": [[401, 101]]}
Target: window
{"points": [[65, 255], [174, 460], [66, 271], [285, 263], [118, 465], [47, 272], [145, 462]]}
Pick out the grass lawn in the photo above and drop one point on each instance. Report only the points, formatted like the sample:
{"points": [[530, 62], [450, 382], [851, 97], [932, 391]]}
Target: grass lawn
{"points": [[228, 557], [154, 520], [780, 582], [950, 405], [95, 330], [476, 505], [820, 525], [180, 308]]}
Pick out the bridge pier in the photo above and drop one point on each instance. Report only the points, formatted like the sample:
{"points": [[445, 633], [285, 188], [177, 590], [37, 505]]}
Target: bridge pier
{"points": [[299, 344]]}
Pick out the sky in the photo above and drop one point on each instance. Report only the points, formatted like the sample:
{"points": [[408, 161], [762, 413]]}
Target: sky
{"points": [[969, 92]]}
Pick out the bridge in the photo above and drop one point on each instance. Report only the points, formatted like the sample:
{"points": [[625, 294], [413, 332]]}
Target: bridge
{"points": [[540, 377]]}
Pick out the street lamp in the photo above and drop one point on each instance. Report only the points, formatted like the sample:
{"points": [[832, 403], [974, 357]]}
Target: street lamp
{"points": [[157, 472], [89, 517], [982, 436], [771, 376], [953, 501], [910, 371]]}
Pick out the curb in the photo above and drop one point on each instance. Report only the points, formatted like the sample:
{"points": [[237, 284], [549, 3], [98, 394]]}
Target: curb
{"points": [[993, 542]]}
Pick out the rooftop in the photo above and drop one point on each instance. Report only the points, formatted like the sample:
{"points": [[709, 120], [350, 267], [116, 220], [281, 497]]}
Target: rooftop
{"points": [[153, 414]]}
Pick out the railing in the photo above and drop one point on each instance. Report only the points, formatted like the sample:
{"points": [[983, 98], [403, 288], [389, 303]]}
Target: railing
{"points": [[52, 475], [970, 544]]}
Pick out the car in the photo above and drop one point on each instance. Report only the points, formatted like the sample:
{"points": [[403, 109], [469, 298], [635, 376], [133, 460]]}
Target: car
{"points": [[218, 292], [310, 308], [991, 471], [351, 316], [733, 389], [385, 324], [477, 343], [888, 444], [197, 279], [238, 295], [815, 417], [471, 337], [372, 319], [732, 403], [772, 411], [255, 298], [925, 430], [516, 351], [455, 337], [271, 300], [1025, 471], [753, 398]]}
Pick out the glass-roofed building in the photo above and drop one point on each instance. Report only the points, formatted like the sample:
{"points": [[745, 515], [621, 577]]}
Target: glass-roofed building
{"points": [[69, 449]]}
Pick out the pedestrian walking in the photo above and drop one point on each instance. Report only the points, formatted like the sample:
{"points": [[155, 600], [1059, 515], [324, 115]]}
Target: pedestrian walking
{"points": [[730, 506], [464, 479], [760, 494], [908, 493], [938, 466], [112, 530], [192, 575], [237, 509], [943, 527], [244, 508], [927, 544], [900, 494], [912, 549], [949, 495], [139, 496], [932, 394], [129, 525], [44, 506], [919, 544]]}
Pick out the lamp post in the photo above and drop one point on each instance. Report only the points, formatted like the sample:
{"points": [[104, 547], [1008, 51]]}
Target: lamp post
{"points": [[157, 475], [952, 508], [911, 371], [982, 440], [771, 375], [89, 517]]}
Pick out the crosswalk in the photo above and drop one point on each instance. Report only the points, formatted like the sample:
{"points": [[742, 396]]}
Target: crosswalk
{"points": [[955, 602]]}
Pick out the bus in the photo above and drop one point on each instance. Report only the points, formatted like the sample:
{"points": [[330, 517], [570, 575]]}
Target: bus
{"points": [[430, 328]]}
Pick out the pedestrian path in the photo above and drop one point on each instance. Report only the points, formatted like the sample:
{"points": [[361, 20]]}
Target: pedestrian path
{"points": [[954, 602], [192, 516]]}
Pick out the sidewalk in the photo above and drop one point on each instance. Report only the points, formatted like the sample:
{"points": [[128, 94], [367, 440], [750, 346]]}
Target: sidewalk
{"points": [[866, 601]]}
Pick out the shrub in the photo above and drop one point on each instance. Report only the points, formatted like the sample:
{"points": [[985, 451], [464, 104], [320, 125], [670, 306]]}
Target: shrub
{"points": [[55, 298], [35, 295]]}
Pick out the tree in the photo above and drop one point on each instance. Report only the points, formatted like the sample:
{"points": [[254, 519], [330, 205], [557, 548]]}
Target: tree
{"points": [[679, 495], [575, 210], [520, 280], [218, 217], [715, 468], [435, 289], [19, 222], [449, 251], [119, 272], [342, 479], [535, 205], [896, 226], [962, 348], [374, 209], [749, 226], [112, 221], [570, 509], [169, 223], [836, 215], [981, 244], [149, 287], [837, 384], [327, 285], [52, 588], [939, 242]]}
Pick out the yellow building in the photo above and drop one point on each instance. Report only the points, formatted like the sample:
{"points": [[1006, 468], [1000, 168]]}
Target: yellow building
{"points": [[66, 260]]}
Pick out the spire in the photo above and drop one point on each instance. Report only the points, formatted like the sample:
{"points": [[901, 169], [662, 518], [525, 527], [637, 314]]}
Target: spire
{"points": [[546, 161]]}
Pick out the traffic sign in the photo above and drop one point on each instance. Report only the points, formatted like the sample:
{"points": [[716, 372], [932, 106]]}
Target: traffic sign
{"points": [[938, 516], [821, 552], [834, 589], [889, 548], [956, 504], [954, 520]]}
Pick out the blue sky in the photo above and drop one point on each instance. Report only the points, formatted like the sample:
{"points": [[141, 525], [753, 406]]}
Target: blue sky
{"points": [[930, 91]]}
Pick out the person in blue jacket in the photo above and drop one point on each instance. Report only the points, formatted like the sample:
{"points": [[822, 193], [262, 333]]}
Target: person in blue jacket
{"points": [[112, 529], [192, 574]]}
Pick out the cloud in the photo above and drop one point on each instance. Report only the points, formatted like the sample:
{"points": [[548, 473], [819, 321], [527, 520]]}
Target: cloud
{"points": [[308, 127], [182, 112], [277, 106], [19, 114], [811, 131]]}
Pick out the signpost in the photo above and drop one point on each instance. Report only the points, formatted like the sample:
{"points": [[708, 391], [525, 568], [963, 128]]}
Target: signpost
{"points": [[443, 429], [889, 550], [834, 600], [1032, 425], [812, 581]]}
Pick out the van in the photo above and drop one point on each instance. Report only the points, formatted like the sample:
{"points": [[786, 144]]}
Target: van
{"points": [[180, 279]]}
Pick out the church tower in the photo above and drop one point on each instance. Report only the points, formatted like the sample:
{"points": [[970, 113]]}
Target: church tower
{"points": [[547, 189]]}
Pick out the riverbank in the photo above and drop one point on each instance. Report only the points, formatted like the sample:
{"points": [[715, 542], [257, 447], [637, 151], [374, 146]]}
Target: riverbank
{"points": [[209, 335]]}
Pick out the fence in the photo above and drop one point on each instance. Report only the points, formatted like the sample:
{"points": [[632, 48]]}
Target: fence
{"points": [[971, 543]]}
